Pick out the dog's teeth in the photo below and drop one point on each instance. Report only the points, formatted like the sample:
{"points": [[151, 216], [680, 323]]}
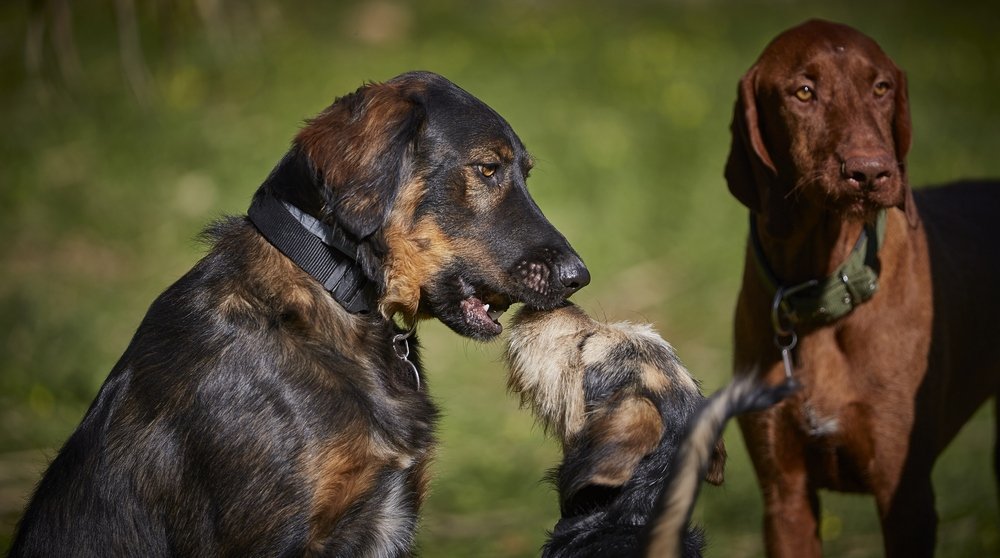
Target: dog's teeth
{"points": [[486, 307]]}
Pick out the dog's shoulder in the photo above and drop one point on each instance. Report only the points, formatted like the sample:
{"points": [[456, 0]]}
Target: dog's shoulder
{"points": [[241, 380]]}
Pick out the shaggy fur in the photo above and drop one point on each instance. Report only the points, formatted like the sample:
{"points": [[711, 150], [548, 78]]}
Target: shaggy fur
{"points": [[253, 415], [820, 133], [619, 400]]}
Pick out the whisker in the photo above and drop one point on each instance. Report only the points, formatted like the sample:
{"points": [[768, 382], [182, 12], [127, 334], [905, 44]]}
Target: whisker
{"points": [[804, 181]]}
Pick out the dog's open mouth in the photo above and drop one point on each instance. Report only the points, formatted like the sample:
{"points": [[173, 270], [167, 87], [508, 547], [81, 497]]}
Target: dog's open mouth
{"points": [[482, 311]]}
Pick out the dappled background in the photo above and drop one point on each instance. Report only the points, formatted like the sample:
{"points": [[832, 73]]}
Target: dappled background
{"points": [[128, 125]]}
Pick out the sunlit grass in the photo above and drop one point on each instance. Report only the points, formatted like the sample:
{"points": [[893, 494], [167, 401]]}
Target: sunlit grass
{"points": [[626, 106]]}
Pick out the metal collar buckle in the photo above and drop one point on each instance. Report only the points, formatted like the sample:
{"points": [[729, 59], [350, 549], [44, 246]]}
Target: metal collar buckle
{"points": [[401, 345], [783, 322]]}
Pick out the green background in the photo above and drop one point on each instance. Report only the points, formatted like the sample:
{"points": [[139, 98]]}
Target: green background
{"points": [[123, 135]]}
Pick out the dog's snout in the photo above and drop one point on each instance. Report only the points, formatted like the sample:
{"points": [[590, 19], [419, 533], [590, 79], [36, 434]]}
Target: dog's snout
{"points": [[868, 172], [573, 274]]}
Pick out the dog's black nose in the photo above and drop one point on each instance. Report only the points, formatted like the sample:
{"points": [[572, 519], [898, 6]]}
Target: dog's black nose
{"points": [[573, 274]]}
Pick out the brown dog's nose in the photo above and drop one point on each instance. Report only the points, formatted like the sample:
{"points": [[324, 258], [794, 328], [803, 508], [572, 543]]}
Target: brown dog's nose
{"points": [[573, 274], [867, 172]]}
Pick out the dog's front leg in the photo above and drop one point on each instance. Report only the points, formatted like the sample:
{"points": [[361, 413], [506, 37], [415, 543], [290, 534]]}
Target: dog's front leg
{"points": [[791, 505], [909, 519]]}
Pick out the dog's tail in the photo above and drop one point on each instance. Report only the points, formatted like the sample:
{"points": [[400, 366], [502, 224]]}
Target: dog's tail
{"points": [[664, 533]]}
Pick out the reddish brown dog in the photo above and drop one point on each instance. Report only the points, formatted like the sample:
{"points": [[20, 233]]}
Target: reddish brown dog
{"points": [[890, 295]]}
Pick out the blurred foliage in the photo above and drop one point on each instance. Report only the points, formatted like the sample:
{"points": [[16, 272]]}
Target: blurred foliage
{"points": [[128, 127]]}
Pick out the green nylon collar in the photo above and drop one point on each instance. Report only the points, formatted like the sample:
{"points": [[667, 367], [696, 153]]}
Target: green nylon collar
{"points": [[821, 301]]}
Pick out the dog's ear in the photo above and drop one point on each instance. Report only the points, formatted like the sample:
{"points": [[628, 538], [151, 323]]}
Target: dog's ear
{"points": [[901, 124], [717, 465], [909, 206], [621, 438], [361, 148], [295, 180], [902, 131], [749, 164]]}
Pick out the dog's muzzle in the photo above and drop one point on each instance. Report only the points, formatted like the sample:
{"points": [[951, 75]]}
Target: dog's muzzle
{"points": [[553, 275]]}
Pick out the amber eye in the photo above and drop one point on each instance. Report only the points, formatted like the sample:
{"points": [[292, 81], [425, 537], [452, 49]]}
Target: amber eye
{"points": [[488, 169], [804, 93], [881, 88]]}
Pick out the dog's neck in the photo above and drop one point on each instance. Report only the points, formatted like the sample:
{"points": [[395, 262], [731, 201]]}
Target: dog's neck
{"points": [[837, 283], [324, 252], [814, 249], [285, 210]]}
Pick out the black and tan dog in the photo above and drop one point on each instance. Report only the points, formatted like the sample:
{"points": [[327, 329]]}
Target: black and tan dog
{"points": [[268, 404], [637, 435]]}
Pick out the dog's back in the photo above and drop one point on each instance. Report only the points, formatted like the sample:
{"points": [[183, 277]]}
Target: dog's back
{"points": [[962, 226], [208, 435], [90, 486]]}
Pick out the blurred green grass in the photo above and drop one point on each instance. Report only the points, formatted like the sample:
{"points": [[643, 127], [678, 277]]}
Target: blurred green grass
{"points": [[109, 169]]}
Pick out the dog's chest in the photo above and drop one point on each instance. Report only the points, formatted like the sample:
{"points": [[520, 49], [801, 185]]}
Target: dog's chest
{"points": [[370, 467], [837, 432], [379, 519], [402, 410]]}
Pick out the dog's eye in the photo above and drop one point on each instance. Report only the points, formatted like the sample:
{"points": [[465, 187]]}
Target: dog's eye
{"points": [[881, 88], [804, 93], [488, 169]]}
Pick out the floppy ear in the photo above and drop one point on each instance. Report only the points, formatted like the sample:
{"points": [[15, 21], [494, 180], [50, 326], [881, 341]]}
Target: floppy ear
{"points": [[901, 125], [901, 135], [749, 166], [295, 180], [360, 146], [621, 438]]}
